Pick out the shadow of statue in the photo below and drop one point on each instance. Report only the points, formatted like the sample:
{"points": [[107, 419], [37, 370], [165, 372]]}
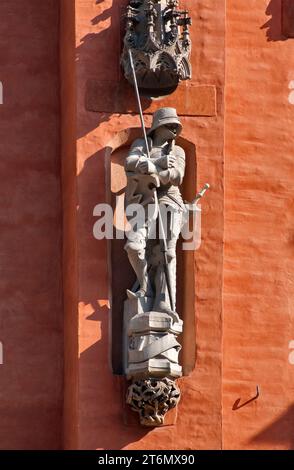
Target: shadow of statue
{"points": [[103, 402], [103, 358]]}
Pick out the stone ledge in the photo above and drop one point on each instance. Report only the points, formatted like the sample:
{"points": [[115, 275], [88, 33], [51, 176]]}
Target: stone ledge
{"points": [[154, 368], [118, 97], [154, 321]]}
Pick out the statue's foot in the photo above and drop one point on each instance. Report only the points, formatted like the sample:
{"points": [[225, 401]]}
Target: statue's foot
{"points": [[165, 308], [136, 295]]}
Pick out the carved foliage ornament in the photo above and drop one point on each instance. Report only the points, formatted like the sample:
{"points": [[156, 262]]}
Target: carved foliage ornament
{"points": [[157, 32], [152, 399]]}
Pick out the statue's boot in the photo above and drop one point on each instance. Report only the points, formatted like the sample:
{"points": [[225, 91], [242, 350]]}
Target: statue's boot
{"points": [[139, 265], [136, 295], [162, 302], [164, 307], [142, 292]]}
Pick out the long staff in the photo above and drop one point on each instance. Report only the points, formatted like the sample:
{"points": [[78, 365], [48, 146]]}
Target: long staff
{"points": [[161, 228]]}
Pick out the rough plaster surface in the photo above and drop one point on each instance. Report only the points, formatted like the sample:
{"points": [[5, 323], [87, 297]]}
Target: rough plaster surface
{"points": [[258, 267], [31, 319], [100, 411], [244, 322]]}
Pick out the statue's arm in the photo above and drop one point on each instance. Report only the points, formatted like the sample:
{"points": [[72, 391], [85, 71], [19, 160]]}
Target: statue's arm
{"points": [[161, 162], [137, 161], [135, 153], [175, 174]]}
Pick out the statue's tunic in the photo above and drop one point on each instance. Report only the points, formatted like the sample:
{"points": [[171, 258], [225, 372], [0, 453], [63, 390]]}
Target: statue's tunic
{"points": [[170, 178]]}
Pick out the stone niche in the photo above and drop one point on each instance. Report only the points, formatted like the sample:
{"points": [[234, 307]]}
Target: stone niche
{"points": [[121, 273]]}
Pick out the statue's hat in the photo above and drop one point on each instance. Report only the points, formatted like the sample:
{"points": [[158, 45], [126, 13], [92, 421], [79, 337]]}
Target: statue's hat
{"points": [[164, 116]]}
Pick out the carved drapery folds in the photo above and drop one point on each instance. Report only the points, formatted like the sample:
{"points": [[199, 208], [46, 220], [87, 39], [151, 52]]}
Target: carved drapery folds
{"points": [[157, 33]]}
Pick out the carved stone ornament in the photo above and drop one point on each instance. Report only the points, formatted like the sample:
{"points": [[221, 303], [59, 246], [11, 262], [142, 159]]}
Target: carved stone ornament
{"points": [[157, 33], [151, 323], [152, 399]]}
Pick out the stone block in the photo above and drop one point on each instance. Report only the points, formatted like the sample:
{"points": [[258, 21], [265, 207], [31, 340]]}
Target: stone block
{"points": [[154, 321], [190, 99], [154, 368]]}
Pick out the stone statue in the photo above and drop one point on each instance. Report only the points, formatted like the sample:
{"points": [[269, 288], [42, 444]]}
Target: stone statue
{"points": [[166, 167], [150, 319]]}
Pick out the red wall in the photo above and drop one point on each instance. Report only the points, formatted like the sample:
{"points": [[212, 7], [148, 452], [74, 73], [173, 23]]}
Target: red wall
{"points": [[258, 268], [244, 268], [101, 419], [31, 318]]}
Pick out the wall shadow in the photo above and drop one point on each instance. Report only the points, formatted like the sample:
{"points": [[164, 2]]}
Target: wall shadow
{"points": [[107, 427], [99, 363], [240, 404], [107, 82], [273, 27], [102, 393], [279, 433], [88, 55]]}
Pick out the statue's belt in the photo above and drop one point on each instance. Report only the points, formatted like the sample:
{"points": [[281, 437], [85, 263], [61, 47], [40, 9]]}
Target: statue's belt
{"points": [[180, 204]]}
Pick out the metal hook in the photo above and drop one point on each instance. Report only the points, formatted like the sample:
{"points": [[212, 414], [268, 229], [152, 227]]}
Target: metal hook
{"points": [[236, 405]]}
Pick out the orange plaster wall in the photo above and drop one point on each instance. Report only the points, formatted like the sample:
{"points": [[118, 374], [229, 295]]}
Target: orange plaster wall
{"points": [[31, 318], [100, 407], [245, 346], [258, 268]]}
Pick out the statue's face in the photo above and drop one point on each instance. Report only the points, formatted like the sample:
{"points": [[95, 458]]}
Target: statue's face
{"points": [[167, 132]]}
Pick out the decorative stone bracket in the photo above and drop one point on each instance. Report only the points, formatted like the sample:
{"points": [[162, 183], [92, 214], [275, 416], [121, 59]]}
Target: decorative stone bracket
{"points": [[157, 32], [151, 361]]}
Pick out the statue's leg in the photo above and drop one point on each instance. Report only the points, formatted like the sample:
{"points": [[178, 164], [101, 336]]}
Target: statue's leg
{"points": [[172, 238], [136, 250], [162, 301]]}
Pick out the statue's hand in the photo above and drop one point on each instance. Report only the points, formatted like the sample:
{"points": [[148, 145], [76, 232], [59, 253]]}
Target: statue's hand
{"points": [[145, 166], [142, 167], [171, 159], [167, 161]]}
